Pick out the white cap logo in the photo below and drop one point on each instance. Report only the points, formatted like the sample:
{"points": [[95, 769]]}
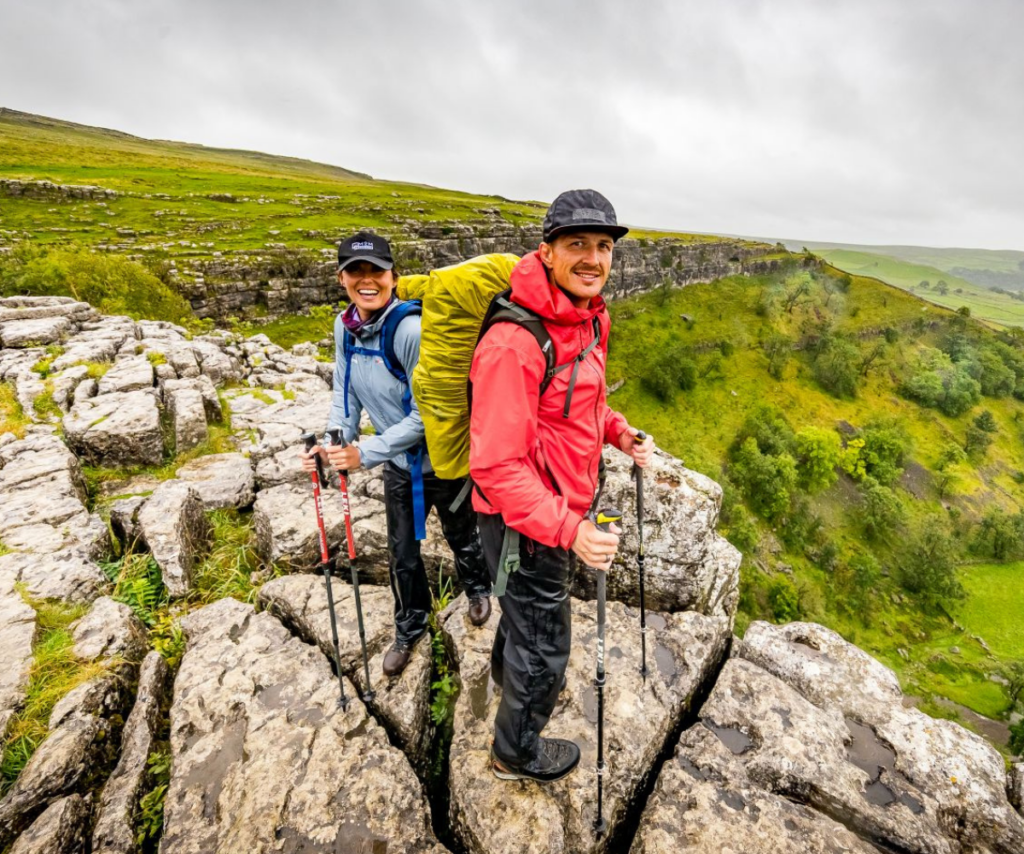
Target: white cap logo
{"points": [[591, 214], [362, 245]]}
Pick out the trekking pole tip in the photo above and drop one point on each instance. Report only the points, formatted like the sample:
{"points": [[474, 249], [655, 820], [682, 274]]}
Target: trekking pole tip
{"points": [[600, 826]]}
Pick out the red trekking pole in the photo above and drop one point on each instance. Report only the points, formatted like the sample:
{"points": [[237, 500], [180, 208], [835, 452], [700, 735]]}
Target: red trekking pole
{"points": [[325, 561], [336, 438]]}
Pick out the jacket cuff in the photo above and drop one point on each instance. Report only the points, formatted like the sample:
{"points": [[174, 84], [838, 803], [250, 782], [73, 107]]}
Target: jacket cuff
{"points": [[567, 533]]}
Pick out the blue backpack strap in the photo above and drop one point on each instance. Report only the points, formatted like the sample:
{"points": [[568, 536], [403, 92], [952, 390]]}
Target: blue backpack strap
{"points": [[347, 347], [394, 365]]}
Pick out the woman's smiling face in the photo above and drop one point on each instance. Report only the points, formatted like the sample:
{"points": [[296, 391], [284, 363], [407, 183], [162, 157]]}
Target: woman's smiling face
{"points": [[369, 287]]}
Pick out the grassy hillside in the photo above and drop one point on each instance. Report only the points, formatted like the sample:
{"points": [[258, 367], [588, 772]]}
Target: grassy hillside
{"points": [[179, 199], [985, 304], [756, 342]]}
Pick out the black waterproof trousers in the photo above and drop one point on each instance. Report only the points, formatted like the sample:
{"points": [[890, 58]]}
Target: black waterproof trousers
{"points": [[409, 583], [531, 647]]}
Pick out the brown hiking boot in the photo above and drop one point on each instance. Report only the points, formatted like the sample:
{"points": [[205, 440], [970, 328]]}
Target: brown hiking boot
{"points": [[479, 610], [396, 658]]}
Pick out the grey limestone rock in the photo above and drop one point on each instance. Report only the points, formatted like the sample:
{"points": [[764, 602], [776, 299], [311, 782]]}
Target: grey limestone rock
{"points": [[116, 429], [176, 531], [817, 721], [401, 704], [221, 480], [65, 383], [688, 565], [129, 374], [491, 816], [34, 331], [286, 529], [705, 801], [1015, 786], [67, 575], [265, 759], [84, 390], [61, 829], [188, 416], [114, 832], [204, 385], [17, 634], [124, 519], [110, 630]]}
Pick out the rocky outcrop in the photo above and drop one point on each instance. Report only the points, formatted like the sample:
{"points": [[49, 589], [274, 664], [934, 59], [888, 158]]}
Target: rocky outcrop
{"points": [[41, 494], [706, 800], [114, 832], [491, 816], [116, 429], [264, 758], [221, 480], [401, 704], [687, 565], [1015, 786], [84, 725], [68, 575], [61, 829], [811, 718], [17, 635], [174, 528]]}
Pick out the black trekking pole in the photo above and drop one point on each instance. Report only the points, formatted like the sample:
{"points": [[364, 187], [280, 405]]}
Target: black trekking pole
{"points": [[337, 439], [603, 519], [638, 475], [325, 561]]}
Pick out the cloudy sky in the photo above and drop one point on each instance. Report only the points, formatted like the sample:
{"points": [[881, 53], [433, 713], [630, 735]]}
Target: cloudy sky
{"points": [[865, 122]]}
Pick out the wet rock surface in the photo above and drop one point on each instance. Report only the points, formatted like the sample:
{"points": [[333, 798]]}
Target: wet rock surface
{"points": [[176, 531], [493, 816], [687, 565], [265, 760], [114, 832], [706, 801], [961, 776], [402, 704]]}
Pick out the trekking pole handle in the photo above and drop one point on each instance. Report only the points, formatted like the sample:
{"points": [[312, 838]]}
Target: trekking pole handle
{"points": [[640, 436], [309, 439], [603, 519], [337, 438]]}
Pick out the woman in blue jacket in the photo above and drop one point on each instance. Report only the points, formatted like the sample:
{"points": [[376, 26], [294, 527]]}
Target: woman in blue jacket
{"points": [[377, 343]]}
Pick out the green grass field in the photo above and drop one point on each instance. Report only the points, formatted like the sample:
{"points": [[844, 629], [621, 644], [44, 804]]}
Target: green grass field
{"points": [[983, 303], [995, 609]]}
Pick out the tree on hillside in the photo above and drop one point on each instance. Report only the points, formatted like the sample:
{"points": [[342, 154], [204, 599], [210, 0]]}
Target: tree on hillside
{"points": [[818, 452], [1000, 535], [837, 369], [883, 511], [928, 564], [778, 348], [767, 481], [941, 288], [1014, 687]]}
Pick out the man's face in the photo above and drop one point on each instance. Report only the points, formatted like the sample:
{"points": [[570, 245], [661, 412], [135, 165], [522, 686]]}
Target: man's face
{"points": [[368, 286], [579, 263]]}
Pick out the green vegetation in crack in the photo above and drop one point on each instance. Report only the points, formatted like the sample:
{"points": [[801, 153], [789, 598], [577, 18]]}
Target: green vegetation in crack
{"points": [[12, 416], [55, 671]]}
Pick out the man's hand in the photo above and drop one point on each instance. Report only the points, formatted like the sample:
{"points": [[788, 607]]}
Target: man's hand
{"points": [[344, 459], [641, 452], [595, 547], [309, 459]]}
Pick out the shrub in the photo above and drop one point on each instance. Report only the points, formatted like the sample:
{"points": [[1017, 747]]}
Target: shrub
{"points": [[778, 348], [928, 566], [818, 452], [837, 368], [669, 372], [885, 447], [767, 481], [770, 430], [1000, 535], [883, 511], [111, 283], [783, 599], [1017, 738]]}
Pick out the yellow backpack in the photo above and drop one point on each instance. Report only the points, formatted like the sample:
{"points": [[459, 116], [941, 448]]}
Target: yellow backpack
{"points": [[455, 301]]}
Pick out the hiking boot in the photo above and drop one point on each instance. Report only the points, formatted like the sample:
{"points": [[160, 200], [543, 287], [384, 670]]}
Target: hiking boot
{"points": [[396, 658], [479, 609], [556, 758]]}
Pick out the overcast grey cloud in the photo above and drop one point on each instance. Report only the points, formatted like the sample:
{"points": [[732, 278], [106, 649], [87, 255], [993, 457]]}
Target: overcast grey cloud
{"points": [[869, 122]]}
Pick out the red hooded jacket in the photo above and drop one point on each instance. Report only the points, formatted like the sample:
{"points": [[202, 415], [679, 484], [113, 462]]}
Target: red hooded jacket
{"points": [[535, 467]]}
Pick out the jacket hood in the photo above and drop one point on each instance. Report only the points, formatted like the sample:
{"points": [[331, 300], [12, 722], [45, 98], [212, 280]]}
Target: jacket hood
{"points": [[532, 289]]}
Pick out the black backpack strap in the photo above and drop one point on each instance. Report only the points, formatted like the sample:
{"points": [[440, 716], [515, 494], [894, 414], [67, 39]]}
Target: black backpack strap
{"points": [[576, 366]]}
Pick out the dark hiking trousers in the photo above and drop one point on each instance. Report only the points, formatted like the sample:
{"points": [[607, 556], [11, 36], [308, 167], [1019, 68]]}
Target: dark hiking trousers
{"points": [[531, 647], [409, 583]]}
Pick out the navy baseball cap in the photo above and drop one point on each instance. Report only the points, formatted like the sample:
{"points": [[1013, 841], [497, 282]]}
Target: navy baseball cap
{"points": [[365, 246], [581, 210]]}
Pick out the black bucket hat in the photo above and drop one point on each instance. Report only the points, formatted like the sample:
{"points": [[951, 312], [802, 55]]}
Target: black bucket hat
{"points": [[581, 210], [365, 246]]}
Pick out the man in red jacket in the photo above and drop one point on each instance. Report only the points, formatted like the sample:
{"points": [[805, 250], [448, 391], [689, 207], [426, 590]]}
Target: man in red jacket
{"points": [[534, 459]]}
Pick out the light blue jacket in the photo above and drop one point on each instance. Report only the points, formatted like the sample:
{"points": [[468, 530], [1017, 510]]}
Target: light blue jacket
{"points": [[373, 388]]}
